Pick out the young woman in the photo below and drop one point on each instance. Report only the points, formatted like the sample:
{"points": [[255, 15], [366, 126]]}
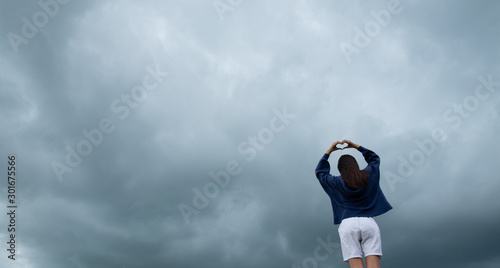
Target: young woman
{"points": [[356, 197]]}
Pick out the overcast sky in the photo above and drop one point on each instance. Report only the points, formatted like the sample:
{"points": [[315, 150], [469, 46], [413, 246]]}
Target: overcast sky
{"points": [[186, 133]]}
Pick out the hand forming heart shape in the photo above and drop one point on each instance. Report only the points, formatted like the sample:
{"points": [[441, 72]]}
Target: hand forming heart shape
{"points": [[342, 145]]}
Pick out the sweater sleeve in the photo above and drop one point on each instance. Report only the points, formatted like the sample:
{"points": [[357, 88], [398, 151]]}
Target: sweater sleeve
{"points": [[323, 171], [371, 158]]}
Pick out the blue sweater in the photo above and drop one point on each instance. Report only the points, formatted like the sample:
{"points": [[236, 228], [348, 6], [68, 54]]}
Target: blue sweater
{"points": [[347, 202]]}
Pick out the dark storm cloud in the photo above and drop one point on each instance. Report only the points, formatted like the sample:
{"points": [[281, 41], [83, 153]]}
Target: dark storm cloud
{"points": [[119, 207]]}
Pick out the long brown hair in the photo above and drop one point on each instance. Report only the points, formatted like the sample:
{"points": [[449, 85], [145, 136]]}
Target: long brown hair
{"points": [[349, 170]]}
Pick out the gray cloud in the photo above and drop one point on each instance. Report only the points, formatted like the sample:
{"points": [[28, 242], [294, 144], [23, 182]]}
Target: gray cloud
{"points": [[226, 78]]}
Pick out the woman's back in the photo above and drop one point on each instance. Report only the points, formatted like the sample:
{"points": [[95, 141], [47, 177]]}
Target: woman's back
{"points": [[367, 201], [356, 197]]}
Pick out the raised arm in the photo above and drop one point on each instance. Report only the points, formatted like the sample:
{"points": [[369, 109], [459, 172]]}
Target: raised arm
{"points": [[323, 167], [370, 157], [333, 147], [350, 144], [323, 170]]}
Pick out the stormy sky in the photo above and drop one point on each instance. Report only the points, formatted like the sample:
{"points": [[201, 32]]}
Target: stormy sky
{"points": [[186, 133]]}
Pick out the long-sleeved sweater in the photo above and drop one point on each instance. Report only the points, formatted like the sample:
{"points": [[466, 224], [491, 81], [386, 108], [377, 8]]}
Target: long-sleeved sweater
{"points": [[348, 202]]}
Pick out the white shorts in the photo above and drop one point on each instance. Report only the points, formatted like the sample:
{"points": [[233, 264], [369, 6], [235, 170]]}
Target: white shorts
{"points": [[359, 237]]}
